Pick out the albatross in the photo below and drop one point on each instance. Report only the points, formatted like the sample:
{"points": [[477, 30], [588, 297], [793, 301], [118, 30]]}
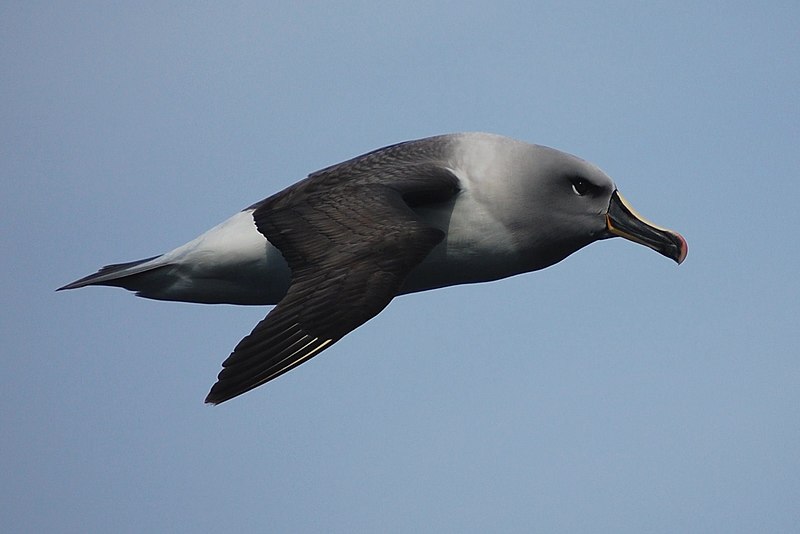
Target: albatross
{"points": [[332, 250]]}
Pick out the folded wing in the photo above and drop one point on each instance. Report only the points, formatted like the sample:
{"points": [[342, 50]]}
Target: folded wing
{"points": [[350, 238]]}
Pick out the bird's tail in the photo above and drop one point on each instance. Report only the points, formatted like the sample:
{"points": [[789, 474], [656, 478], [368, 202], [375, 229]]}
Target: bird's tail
{"points": [[133, 275]]}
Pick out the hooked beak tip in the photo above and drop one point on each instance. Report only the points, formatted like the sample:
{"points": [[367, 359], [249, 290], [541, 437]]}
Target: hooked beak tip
{"points": [[683, 248], [622, 220]]}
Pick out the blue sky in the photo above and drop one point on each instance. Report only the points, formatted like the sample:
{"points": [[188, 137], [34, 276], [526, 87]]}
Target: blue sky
{"points": [[613, 392]]}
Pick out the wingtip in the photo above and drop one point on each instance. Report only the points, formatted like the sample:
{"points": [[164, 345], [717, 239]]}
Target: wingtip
{"points": [[212, 401], [215, 396]]}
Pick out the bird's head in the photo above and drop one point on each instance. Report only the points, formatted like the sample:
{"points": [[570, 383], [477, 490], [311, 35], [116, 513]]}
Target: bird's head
{"points": [[578, 204]]}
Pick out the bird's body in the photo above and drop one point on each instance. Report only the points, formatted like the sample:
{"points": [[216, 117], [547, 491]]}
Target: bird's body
{"points": [[332, 250]]}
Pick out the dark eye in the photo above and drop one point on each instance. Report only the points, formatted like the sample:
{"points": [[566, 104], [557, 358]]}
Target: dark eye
{"points": [[581, 186]]}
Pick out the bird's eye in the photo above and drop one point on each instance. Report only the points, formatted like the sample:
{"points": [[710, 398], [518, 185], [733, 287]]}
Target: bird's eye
{"points": [[581, 186]]}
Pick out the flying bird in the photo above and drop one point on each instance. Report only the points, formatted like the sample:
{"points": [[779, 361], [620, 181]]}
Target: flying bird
{"points": [[332, 250]]}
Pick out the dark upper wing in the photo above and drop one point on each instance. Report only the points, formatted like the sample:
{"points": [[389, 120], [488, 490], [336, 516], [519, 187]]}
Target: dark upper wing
{"points": [[350, 239]]}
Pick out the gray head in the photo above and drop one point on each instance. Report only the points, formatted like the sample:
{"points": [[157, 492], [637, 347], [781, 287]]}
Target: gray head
{"points": [[572, 204]]}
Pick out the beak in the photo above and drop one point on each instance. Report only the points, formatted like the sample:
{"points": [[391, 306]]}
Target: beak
{"points": [[622, 220]]}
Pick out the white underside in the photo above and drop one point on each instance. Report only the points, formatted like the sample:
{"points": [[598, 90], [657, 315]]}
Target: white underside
{"points": [[234, 263]]}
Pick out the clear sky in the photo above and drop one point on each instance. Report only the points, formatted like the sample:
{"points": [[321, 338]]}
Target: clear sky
{"points": [[613, 392]]}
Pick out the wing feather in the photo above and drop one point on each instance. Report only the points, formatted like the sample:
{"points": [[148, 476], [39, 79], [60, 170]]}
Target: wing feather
{"points": [[350, 239]]}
